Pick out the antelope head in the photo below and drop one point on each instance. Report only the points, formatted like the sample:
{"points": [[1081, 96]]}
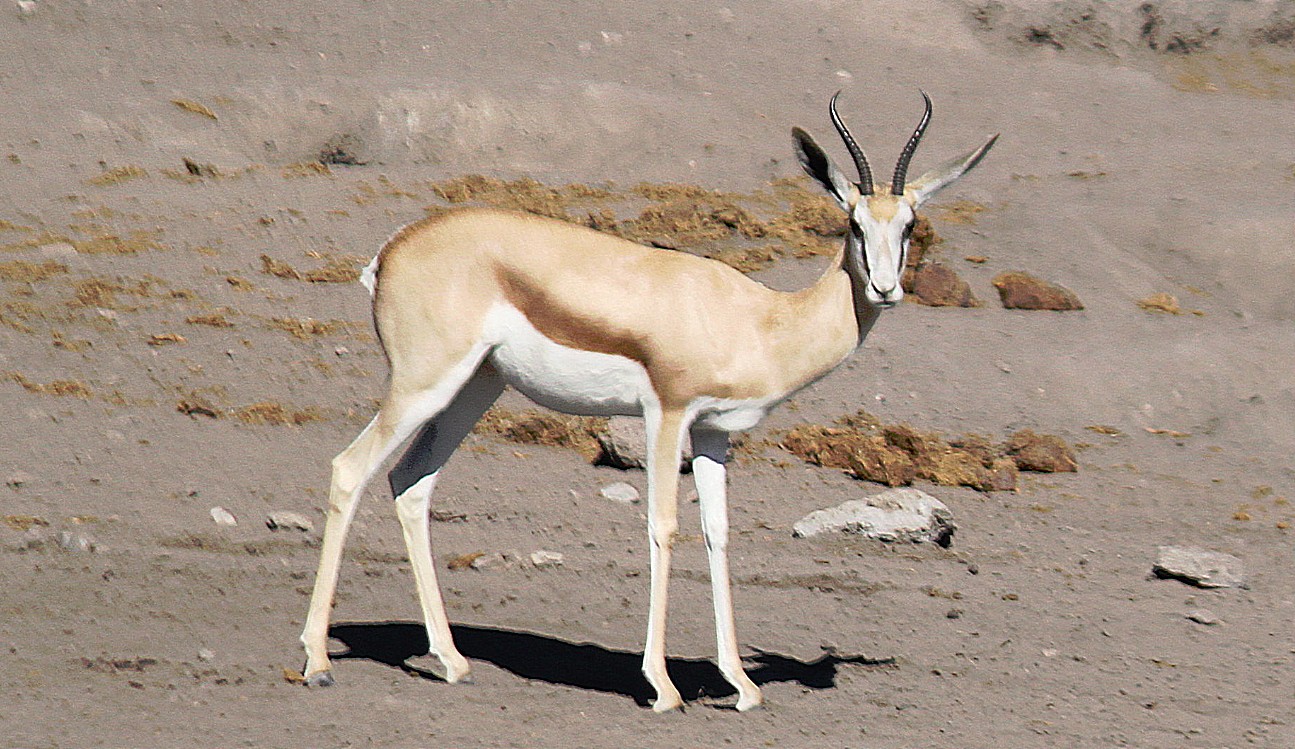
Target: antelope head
{"points": [[881, 216]]}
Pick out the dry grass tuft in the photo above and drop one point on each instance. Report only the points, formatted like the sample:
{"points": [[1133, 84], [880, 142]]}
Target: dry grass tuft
{"points": [[306, 169], [1161, 303], [335, 270], [579, 433], [691, 222], [98, 292], [24, 522], [166, 339], [62, 388], [112, 244], [25, 272], [193, 106], [959, 211], [520, 194], [117, 175], [212, 320], [273, 414], [278, 268], [306, 328]]}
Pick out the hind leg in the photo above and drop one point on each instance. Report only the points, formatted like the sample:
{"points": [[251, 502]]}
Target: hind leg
{"points": [[405, 409], [412, 481]]}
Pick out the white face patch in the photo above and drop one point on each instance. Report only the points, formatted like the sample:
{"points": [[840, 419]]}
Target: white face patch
{"points": [[883, 221]]}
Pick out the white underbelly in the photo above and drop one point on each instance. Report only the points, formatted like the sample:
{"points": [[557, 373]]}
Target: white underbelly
{"points": [[562, 378]]}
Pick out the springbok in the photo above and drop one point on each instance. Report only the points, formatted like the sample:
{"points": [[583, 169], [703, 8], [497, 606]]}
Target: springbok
{"points": [[587, 323]]}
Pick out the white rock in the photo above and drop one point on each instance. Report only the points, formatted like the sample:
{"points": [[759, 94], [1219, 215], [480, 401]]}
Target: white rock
{"points": [[620, 492], [223, 517], [75, 542], [1204, 569], [288, 521], [544, 558], [205, 654], [903, 514]]}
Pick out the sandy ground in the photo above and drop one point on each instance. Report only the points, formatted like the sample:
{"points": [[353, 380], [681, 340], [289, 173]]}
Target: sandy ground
{"points": [[1146, 148]]}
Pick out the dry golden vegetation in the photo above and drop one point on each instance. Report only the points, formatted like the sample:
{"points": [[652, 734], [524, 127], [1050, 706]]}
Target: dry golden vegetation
{"points": [[73, 388], [897, 454], [579, 433], [335, 270]]}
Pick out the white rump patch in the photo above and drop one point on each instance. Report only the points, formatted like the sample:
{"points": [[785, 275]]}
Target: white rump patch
{"points": [[369, 276]]}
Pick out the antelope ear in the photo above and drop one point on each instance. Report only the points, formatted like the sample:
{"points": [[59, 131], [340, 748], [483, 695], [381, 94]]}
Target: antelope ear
{"points": [[818, 164], [928, 184]]}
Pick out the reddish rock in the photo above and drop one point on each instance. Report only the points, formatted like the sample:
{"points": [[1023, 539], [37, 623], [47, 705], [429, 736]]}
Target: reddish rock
{"points": [[1020, 290]]}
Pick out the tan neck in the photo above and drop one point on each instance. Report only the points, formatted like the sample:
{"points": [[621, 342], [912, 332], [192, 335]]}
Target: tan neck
{"points": [[822, 324]]}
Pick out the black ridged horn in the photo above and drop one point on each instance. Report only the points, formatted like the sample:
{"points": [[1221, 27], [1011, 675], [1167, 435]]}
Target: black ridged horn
{"points": [[860, 161], [901, 169]]}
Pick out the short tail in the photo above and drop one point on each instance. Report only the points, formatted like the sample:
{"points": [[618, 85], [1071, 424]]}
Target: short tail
{"points": [[369, 276]]}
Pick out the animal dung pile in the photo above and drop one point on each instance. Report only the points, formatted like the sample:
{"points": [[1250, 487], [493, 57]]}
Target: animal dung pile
{"points": [[937, 285], [1020, 290], [898, 454]]}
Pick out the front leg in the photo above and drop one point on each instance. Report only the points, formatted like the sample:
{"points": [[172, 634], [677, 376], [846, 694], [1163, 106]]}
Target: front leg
{"points": [[710, 451], [664, 438]]}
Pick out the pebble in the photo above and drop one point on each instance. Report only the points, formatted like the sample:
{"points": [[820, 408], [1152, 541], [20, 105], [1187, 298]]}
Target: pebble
{"points": [[544, 559], [1203, 616], [223, 517], [288, 521], [17, 479], [620, 492], [205, 654]]}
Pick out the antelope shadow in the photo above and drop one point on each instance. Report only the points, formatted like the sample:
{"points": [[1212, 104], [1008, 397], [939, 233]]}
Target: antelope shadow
{"points": [[581, 665]]}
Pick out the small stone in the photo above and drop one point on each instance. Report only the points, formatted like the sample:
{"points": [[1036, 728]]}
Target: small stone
{"points": [[1204, 569], [1203, 616], [17, 479], [74, 542], [953, 614], [292, 521], [903, 514], [26, 8], [1020, 290], [620, 492], [205, 654], [223, 517], [542, 559]]}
